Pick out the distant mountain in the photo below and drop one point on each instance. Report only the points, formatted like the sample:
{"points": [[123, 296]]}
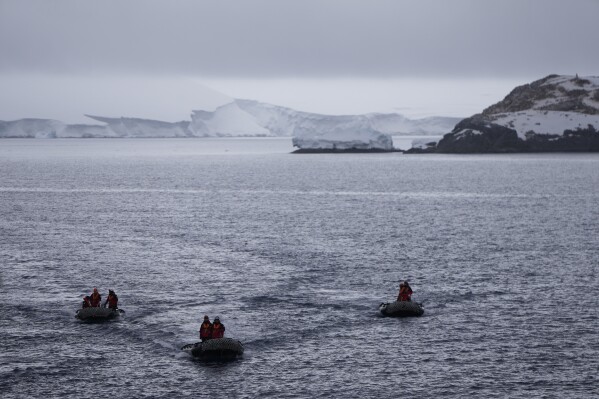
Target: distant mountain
{"points": [[556, 113], [237, 118]]}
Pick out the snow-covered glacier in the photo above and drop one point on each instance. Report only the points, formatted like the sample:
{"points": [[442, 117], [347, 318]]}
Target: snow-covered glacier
{"points": [[247, 118]]}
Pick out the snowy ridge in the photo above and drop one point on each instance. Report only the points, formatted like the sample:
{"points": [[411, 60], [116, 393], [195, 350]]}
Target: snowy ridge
{"points": [[550, 105], [563, 87]]}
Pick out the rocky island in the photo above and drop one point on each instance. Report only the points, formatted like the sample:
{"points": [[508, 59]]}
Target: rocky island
{"points": [[554, 114]]}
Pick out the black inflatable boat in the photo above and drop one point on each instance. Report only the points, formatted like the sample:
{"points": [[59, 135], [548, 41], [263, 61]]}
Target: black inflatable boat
{"points": [[98, 313], [215, 349], [401, 309]]}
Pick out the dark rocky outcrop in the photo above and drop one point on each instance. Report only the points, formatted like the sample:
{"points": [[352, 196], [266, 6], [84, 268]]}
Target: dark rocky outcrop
{"points": [[548, 102], [473, 138], [477, 134]]}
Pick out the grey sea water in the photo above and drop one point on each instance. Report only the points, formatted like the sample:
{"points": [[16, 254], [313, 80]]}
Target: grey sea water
{"points": [[295, 253]]}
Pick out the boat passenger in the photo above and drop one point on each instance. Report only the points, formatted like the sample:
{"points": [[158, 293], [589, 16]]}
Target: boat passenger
{"points": [[112, 300], [95, 299], [86, 302], [218, 329], [405, 292], [206, 329]]}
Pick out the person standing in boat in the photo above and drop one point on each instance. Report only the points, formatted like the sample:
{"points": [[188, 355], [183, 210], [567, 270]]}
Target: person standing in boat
{"points": [[86, 302], [112, 300], [218, 329], [405, 292], [95, 299], [206, 329]]}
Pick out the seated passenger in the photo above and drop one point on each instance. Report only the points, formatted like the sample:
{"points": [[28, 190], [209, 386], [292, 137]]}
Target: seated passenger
{"points": [[86, 303], [405, 292], [95, 299], [218, 329], [112, 300], [206, 329]]}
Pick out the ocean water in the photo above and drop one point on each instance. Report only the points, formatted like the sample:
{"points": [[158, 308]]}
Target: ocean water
{"points": [[295, 253]]}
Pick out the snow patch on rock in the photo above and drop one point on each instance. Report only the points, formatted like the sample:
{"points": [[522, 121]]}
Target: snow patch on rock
{"points": [[545, 122]]}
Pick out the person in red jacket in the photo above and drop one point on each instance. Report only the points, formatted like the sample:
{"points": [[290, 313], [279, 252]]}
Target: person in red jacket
{"points": [[218, 329], [95, 299], [405, 292], [206, 329], [112, 300], [86, 303]]}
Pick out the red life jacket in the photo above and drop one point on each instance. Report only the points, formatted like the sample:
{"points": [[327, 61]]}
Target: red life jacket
{"points": [[206, 330], [112, 301], [85, 303], [405, 294], [218, 330], [95, 300]]}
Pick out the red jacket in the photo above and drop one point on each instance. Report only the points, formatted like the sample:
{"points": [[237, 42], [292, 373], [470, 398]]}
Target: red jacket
{"points": [[85, 303], [95, 300], [405, 294], [112, 300], [218, 330], [206, 330]]}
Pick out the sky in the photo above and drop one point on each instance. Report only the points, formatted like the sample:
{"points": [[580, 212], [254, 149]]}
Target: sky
{"points": [[156, 59]]}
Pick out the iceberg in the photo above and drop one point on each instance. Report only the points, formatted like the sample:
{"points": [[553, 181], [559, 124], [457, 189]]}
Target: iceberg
{"points": [[340, 133]]}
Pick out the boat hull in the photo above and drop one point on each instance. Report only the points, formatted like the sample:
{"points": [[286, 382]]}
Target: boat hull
{"points": [[401, 309], [216, 349], [98, 313]]}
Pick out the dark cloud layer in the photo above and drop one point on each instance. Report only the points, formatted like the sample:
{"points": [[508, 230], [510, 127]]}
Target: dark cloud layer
{"points": [[307, 38]]}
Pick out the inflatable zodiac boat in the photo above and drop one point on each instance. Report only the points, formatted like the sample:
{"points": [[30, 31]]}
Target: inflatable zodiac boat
{"points": [[401, 309], [215, 349], [97, 313]]}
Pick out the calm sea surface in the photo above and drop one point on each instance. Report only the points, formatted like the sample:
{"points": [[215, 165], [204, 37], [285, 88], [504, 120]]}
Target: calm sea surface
{"points": [[295, 253]]}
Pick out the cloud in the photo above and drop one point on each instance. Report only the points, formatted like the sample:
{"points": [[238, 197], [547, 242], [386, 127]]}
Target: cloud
{"points": [[308, 38]]}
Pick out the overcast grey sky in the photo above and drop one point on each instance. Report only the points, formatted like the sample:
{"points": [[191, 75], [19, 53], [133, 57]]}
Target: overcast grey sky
{"points": [[303, 50]]}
